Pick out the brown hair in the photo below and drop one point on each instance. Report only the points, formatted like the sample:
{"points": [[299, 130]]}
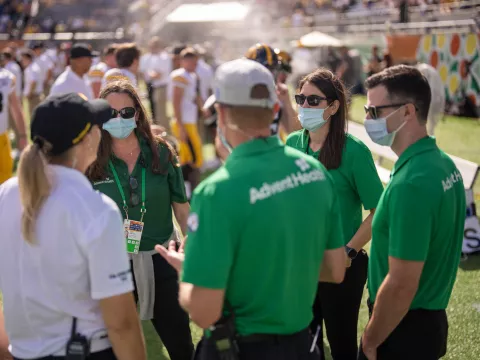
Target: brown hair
{"points": [[97, 170], [325, 81], [126, 54]]}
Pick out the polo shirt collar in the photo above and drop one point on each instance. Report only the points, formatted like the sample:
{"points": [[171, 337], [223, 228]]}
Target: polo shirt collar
{"points": [[70, 175], [427, 143], [73, 74], [255, 146]]}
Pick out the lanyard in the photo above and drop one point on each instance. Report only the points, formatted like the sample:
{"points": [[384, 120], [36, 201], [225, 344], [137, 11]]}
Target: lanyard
{"points": [[143, 210]]}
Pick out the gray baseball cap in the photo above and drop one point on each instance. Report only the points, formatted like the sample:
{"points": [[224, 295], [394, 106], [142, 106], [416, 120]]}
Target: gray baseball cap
{"points": [[237, 83]]}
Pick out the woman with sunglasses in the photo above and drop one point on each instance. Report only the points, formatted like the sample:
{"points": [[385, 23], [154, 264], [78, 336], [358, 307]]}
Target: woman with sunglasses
{"points": [[141, 174], [322, 113]]}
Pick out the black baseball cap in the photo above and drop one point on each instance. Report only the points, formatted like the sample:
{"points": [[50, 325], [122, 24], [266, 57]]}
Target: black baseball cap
{"points": [[80, 50], [64, 120]]}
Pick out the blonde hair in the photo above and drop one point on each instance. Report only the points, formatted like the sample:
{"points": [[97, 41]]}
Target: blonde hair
{"points": [[34, 183], [34, 186]]}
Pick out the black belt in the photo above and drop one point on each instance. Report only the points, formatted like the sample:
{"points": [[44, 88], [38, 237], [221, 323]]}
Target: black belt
{"points": [[269, 338]]}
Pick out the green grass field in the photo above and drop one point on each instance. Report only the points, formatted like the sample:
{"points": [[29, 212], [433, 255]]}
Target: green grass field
{"points": [[457, 136]]}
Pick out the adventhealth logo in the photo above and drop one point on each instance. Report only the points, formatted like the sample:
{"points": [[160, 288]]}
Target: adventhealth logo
{"points": [[292, 181], [451, 180]]}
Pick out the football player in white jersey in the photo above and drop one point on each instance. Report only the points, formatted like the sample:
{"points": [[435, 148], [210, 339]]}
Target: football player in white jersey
{"points": [[9, 101], [127, 57], [98, 71]]}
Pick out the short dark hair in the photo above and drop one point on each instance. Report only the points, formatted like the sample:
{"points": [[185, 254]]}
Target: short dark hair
{"points": [[178, 49], [7, 53], [27, 54], [404, 84], [110, 49], [188, 53], [126, 54], [333, 88]]}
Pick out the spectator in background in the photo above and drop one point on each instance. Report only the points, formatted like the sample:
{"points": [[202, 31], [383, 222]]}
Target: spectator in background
{"points": [[98, 71], [375, 63], [346, 69], [45, 65], [11, 65], [387, 60], [156, 66], [33, 84], [176, 56], [74, 78], [127, 57]]}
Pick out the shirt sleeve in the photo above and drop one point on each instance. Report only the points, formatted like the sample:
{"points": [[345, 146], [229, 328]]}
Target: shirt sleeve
{"points": [[365, 177], [410, 219], [179, 81], [108, 264], [335, 239], [210, 247], [96, 75]]}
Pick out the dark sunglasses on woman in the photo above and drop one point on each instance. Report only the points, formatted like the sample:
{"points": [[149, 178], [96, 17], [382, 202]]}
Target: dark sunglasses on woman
{"points": [[125, 113], [312, 100]]}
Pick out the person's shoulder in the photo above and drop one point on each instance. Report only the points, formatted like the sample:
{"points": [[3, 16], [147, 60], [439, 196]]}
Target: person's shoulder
{"points": [[179, 75], [357, 146], [8, 187], [295, 138], [219, 180]]}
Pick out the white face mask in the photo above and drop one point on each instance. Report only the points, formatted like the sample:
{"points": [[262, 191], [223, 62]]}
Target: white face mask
{"points": [[311, 119], [378, 131]]}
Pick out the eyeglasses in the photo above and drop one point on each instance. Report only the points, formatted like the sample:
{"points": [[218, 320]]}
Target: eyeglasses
{"points": [[373, 110], [312, 100], [134, 198], [125, 113]]}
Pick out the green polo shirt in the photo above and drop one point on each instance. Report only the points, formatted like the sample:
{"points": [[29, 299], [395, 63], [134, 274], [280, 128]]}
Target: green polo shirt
{"points": [[356, 179], [258, 228], [420, 217], [161, 190]]}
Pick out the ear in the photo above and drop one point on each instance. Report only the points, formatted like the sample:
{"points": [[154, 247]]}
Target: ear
{"points": [[334, 106], [410, 112]]}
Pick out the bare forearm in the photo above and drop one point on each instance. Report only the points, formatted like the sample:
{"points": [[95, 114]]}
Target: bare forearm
{"points": [[363, 234], [391, 305], [128, 343], [181, 212], [177, 111], [289, 118]]}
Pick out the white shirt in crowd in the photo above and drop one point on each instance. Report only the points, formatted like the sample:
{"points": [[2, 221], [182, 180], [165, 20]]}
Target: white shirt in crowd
{"points": [[33, 73], [188, 82], [161, 63], [206, 76], [44, 63], [69, 82], [15, 69], [116, 74], [7, 86], [78, 259], [97, 72]]}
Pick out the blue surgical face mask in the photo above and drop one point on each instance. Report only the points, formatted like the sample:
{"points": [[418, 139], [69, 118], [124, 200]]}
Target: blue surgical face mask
{"points": [[378, 131], [120, 128], [311, 119], [223, 140]]}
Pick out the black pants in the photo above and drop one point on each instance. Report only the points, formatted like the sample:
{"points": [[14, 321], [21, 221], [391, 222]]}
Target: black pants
{"points": [[170, 321], [101, 355], [338, 305], [291, 347], [151, 99], [421, 335]]}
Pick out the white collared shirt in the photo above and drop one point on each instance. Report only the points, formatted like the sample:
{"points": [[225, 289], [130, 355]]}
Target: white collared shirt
{"points": [[116, 74], [14, 68], [205, 75], [33, 73], [7, 87], [69, 82], [78, 259], [161, 63], [45, 64]]}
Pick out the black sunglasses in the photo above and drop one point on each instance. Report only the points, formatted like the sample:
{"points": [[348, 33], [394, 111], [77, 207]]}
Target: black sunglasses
{"points": [[373, 110], [125, 113], [312, 100], [134, 198]]}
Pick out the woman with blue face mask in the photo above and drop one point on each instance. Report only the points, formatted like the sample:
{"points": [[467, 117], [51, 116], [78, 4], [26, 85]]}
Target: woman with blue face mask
{"points": [[322, 112], [141, 173]]}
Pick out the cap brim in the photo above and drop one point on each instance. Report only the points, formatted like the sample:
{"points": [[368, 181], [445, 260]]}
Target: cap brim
{"points": [[101, 110], [95, 54]]}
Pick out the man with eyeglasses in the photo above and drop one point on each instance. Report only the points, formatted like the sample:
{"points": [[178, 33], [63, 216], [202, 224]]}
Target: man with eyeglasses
{"points": [[417, 230]]}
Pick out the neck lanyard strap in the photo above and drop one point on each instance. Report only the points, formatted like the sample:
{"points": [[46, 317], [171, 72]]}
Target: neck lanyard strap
{"points": [[143, 209]]}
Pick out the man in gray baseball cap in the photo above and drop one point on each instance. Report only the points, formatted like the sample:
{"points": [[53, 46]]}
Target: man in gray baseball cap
{"points": [[263, 230]]}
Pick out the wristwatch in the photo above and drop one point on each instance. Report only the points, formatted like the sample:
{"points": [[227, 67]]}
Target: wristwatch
{"points": [[351, 252]]}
